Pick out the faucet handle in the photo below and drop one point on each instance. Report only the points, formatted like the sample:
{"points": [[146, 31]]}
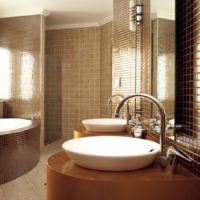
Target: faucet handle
{"points": [[176, 152], [173, 153]]}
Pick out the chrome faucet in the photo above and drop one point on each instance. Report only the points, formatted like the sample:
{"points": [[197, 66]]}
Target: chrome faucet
{"points": [[115, 95], [163, 158], [165, 152], [110, 100], [173, 153]]}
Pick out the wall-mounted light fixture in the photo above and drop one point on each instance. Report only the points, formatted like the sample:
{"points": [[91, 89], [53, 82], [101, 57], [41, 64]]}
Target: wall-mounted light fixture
{"points": [[135, 14]]}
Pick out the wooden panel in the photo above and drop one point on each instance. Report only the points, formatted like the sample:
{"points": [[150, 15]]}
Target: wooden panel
{"points": [[68, 181]]}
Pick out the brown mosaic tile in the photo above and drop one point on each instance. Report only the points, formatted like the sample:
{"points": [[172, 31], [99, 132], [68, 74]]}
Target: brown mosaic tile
{"points": [[21, 55], [106, 68], [126, 54], [19, 153], [187, 81], [79, 54]]}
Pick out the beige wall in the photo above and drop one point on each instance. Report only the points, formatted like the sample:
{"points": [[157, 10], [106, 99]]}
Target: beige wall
{"points": [[53, 95], [79, 51], [91, 59], [106, 68]]}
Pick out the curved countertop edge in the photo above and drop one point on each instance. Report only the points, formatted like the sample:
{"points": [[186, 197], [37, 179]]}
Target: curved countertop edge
{"points": [[62, 164], [66, 180]]}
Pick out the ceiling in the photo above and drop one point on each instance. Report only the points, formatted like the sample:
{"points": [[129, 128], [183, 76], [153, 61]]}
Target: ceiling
{"points": [[163, 9], [61, 12]]}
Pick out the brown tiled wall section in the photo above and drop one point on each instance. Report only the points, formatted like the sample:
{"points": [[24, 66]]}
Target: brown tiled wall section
{"points": [[19, 153], [42, 80], [132, 54], [187, 80], [79, 51], [124, 50], [126, 53], [87, 75], [146, 77], [20, 40], [106, 68]]}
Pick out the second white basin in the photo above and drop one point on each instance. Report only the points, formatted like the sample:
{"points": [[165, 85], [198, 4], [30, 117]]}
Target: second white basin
{"points": [[105, 125], [111, 153]]}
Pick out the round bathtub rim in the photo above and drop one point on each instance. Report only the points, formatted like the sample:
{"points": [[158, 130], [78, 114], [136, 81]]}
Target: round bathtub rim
{"points": [[19, 130]]}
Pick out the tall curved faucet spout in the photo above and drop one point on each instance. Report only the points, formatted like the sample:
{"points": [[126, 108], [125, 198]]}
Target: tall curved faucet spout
{"points": [[163, 157]]}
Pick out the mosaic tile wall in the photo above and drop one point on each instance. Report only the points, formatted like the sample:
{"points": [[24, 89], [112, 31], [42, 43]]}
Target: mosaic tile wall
{"points": [[163, 63], [126, 55], [124, 51], [131, 55], [146, 80], [53, 106], [19, 152], [188, 81], [146, 77], [42, 80], [79, 51], [20, 54], [83, 97], [106, 68]]}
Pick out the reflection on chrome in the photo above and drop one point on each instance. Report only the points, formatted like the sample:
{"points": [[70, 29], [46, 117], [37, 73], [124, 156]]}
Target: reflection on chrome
{"points": [[6, 74]]}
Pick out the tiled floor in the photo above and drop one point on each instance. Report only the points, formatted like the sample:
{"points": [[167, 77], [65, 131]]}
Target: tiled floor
{"points": [[31, 186]]}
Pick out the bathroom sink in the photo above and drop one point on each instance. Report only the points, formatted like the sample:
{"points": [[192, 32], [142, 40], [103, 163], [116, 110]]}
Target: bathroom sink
{"points": [[111, 153], [105, 125]]}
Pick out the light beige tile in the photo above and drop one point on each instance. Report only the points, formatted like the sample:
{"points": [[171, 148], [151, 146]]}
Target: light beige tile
{"points": [[2, 197], [80, 70], [20, 189], [37, 176], [31, 186]]}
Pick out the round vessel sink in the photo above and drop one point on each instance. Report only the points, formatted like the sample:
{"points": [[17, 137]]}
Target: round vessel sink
{"points": [[111, 153], [105, 125]]}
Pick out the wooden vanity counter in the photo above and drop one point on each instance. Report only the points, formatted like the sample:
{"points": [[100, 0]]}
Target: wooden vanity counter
{"points": [[67, 181]]}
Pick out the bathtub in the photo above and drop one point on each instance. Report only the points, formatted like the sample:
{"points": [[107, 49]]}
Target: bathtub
{"points": [[19, 147]]}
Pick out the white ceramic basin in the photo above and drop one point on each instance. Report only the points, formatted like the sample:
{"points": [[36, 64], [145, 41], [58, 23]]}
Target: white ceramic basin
{"points": [[111, 153], [105, 125]]}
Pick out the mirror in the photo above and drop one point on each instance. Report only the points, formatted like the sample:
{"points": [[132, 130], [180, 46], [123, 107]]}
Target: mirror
{"points": [[163, 56]]}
